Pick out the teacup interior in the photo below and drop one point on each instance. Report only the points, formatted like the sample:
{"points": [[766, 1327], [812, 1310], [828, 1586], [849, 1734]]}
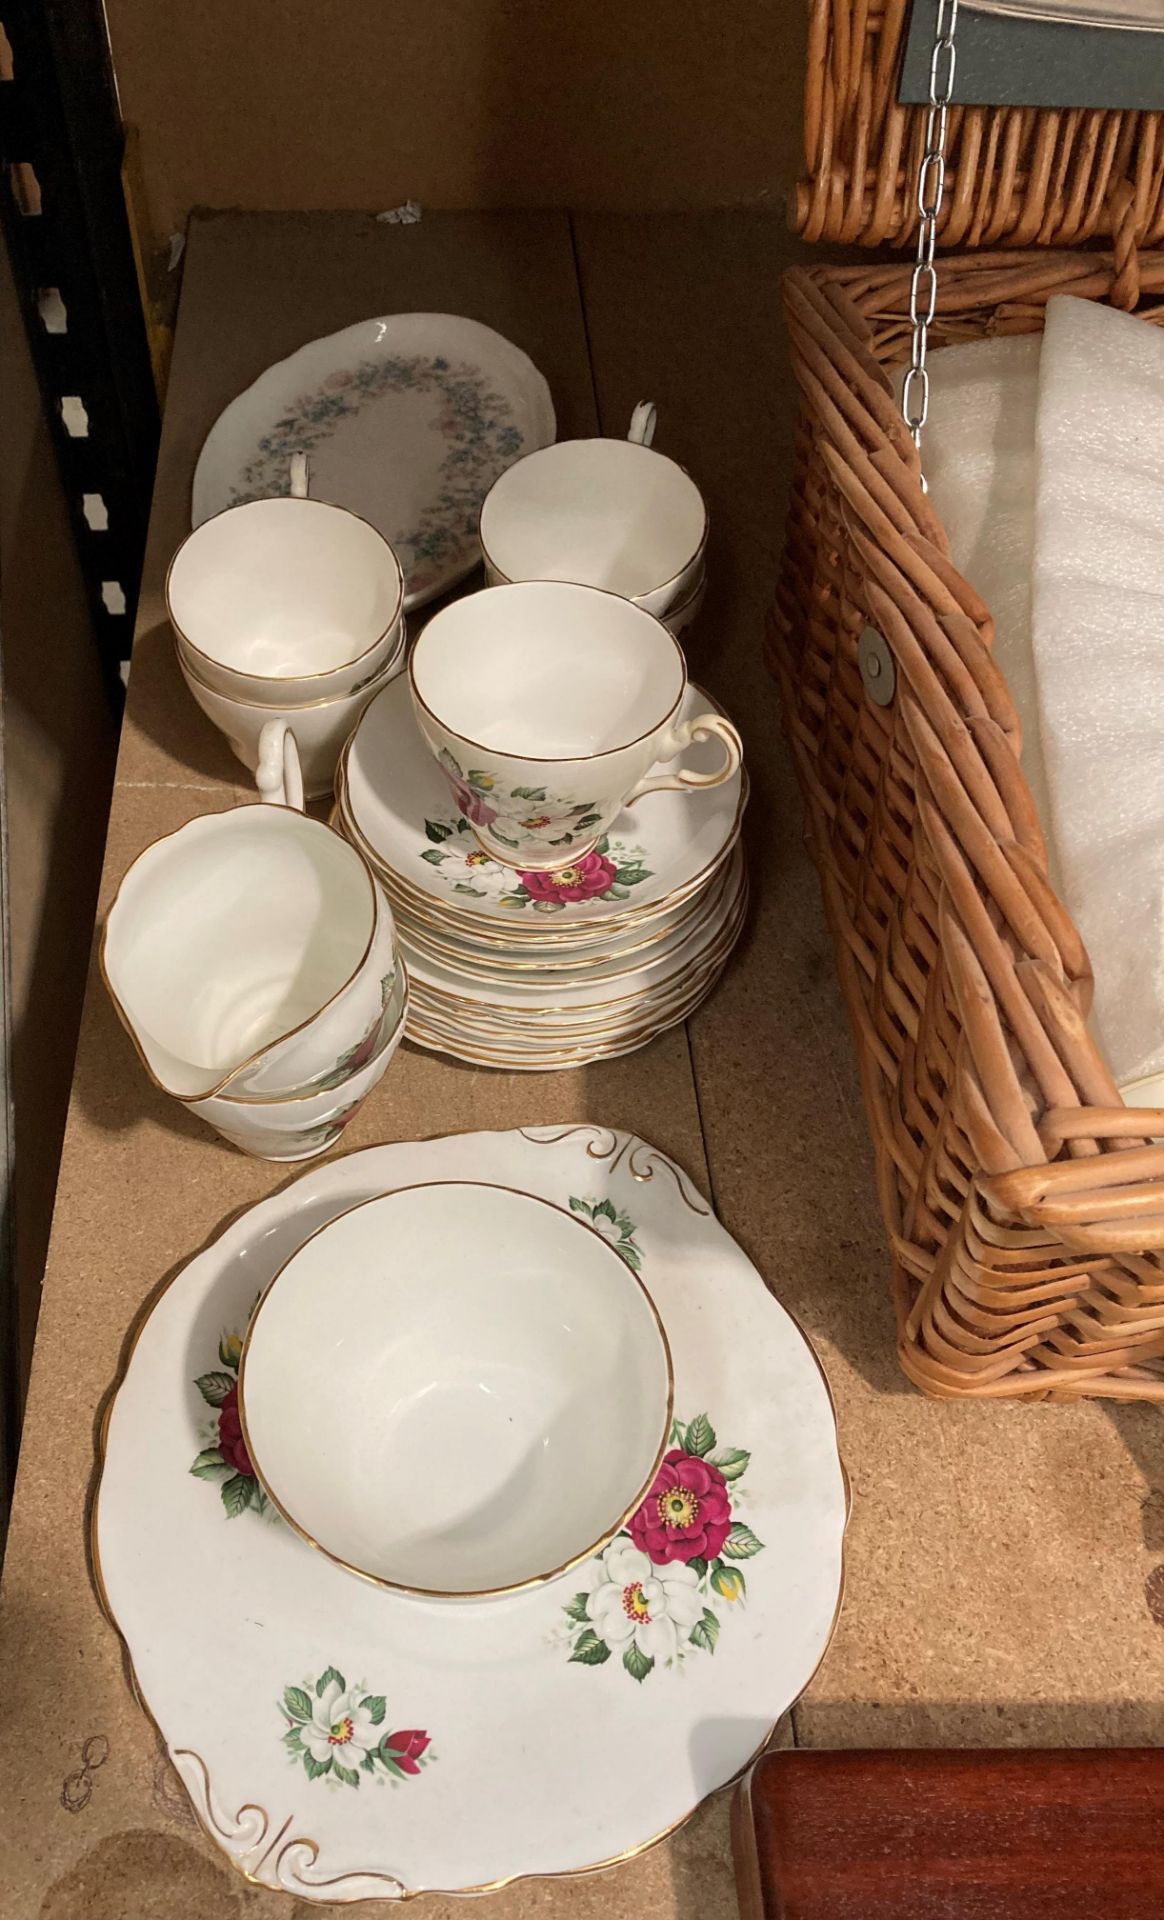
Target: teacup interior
{"points": [[231, 933], [605, 513], [456, 1388], [547, 671], [282, 588]]}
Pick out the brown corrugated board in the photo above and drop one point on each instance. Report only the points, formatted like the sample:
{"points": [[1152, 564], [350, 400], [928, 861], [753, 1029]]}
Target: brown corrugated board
{"points": [[459, 103], [998, 1556]]}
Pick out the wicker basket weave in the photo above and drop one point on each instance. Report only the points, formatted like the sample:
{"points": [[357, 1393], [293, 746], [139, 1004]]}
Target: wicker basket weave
{"points": [[1024, 1202], [1016, 176]]}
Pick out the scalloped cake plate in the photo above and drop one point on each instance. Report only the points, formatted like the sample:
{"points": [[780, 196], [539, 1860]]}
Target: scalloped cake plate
{"points": [[343, 1743], [407, 419]]}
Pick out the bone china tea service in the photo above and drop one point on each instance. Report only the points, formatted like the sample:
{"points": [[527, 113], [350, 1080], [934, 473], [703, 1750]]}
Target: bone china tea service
{"points": [[499, 1430], [546, 706], [506, 1376]]}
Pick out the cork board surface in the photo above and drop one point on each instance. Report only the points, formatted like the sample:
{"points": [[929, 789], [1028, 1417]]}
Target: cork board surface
{"points": [[1000, 1559]]}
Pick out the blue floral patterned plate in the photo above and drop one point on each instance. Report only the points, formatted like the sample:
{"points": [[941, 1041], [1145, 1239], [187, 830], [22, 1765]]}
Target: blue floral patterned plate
{"points": [[407, 419]]}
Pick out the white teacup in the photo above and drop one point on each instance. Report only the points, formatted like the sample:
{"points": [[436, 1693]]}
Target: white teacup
{"points": [[603, 513], [547, 705], [286, 601], [504, 1370], [320, 727], [250, 951], [299, 1126]]}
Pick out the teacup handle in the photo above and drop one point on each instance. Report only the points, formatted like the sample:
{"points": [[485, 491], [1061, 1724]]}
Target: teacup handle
{"points": [[299, 478], [703, 727], [644, 420], [279, 776]]}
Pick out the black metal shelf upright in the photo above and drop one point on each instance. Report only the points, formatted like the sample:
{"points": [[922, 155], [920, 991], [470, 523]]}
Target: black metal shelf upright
{"points": [[64, 216]]}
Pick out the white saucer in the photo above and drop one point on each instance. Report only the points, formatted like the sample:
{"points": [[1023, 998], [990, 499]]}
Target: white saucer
{"points": [[550, 1732], [393, 794], [408, 420]]}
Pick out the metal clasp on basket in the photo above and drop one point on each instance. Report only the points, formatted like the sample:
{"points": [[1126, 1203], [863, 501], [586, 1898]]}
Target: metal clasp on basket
{"points": [[878, 672]]}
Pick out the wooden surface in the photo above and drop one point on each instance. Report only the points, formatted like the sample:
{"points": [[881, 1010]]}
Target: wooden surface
{"points": [[952, 1836], [997, 1557]]}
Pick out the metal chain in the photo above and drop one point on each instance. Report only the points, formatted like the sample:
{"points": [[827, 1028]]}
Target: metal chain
{"points": [[931, 186]]}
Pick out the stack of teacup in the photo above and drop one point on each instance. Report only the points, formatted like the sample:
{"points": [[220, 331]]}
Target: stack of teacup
{"points": [[287, 609], [253, 958], [604, 513]]}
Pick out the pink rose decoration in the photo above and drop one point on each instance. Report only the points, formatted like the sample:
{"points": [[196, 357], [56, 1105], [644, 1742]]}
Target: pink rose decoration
{"points": [[589, 877], [406, 1748], [470, 803], [231, 1444], [687, 1515]]}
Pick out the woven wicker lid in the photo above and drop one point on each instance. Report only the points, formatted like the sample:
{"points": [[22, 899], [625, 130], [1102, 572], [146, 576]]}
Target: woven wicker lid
{"points": [[1015, 176]]}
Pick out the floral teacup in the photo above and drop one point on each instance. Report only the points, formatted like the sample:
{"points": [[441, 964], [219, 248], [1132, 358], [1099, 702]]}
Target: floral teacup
{"points": [[546, 705]]}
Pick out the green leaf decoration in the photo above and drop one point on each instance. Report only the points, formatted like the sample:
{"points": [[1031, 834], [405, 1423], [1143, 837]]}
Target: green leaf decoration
{"points": [[236, 1494], [605, 1210], [580, 1206], [515, 899], [229, 1348], [678, 1435], [698, 1567], [503, 837], [374, 1702], [614, 892], [209, 1463], [463, 825], [602, 844], [293, 1741], [549, 906], [632, 1256], [348, 1775], [705, 1632], [297, 1703], [434, 856], [437, 830], [477, 777], [214, 1387], [590, 1650], [700, 1436], [389, 1765], [729, 1581], [742, 1543], [563, 840], [588, 820], [637, 1664], [529, 793], [477, 893], [732, 1462], [325, 1680], [316, 1768], [578, 1608], [368, 1763]]}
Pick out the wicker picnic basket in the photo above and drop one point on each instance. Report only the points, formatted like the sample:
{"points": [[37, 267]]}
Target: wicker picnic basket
{"points": [[1024, 1202]]}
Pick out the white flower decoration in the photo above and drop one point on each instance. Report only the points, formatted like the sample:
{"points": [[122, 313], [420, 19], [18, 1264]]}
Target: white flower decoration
{"points": [[636, 1600], [340, 1729]]}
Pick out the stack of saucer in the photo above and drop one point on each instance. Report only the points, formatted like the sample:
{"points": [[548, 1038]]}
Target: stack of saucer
{"points": [[540, 970]]}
